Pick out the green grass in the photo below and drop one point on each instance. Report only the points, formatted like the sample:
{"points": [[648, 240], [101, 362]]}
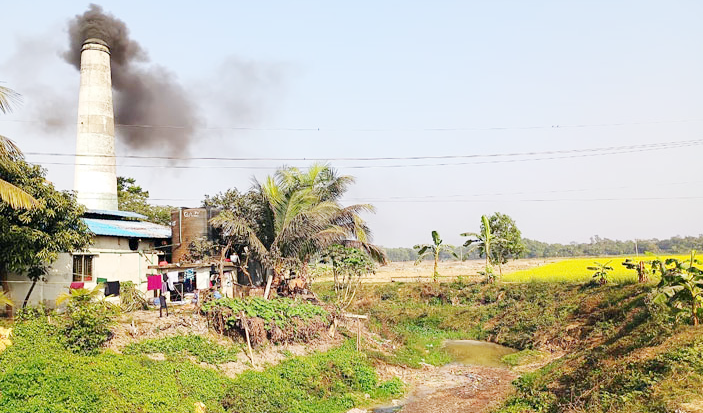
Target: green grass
{"points": [[623, 353], [335, 381], [38, 374], [576, 270], [523, 357], [203, 349]]}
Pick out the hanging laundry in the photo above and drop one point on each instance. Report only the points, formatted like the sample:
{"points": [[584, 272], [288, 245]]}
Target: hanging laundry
{"points": [[189, 280], [202, 279], [172, 278], [112, 288], [102, 280], [153, 282], [77, 285]]}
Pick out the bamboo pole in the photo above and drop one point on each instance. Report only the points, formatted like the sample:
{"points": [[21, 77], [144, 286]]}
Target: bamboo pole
{"points": [[246, 333]]}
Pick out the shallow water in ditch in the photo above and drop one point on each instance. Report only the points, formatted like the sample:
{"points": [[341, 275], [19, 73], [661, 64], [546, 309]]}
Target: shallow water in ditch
{"points": [[467, 352], [477, 353]]}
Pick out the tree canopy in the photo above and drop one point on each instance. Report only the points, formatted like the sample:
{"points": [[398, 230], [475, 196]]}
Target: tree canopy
{"points": [[510, 245], [31, 239], [292, 216], [131, 197]]}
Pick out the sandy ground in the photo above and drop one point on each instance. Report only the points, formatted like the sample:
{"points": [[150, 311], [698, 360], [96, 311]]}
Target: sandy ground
{"points": [[453, 388]]}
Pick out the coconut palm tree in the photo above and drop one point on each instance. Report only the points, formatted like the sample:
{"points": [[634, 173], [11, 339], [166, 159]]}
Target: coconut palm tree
{"points": [[9, 153], [305, 218]]}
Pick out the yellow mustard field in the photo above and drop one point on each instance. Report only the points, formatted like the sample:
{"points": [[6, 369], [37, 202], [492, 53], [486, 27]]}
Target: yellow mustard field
{"points": [[575, 270]]}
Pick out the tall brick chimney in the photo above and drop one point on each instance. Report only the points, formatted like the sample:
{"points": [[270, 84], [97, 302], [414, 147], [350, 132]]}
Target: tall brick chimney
{"points": [[95, 180]]}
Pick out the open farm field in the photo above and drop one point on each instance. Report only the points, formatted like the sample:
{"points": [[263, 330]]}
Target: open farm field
{"points": [[576, 270], [406, 271]]}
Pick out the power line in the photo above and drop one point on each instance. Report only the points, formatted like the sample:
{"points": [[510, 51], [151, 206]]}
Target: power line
{"points": [[385, 158], [549, 200], [579, 154], [435, 129], [442, 198]]}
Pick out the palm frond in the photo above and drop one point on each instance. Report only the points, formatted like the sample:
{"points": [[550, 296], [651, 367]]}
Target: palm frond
{"points": [[5, 300], [16, 197], [234, 226], [9, 150], [8, 98]]}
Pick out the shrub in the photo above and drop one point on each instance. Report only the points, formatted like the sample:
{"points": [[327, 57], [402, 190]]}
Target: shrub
{"points": [[86, 325]]}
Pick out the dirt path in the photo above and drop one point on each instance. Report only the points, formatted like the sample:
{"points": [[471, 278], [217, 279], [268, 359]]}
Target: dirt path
{"points": [[452, 388], [486, 387]]}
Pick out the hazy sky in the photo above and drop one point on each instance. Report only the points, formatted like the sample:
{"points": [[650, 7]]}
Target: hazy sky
{"points": [[400, 79]]}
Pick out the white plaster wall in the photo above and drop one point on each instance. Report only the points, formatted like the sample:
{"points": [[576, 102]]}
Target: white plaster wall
{"points": [[113, 260], [95, 179]]}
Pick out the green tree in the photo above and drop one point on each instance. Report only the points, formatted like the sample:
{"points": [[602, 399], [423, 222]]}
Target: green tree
{"points": [[131, 197], [297, 215], [507, 243], [484, 240], [9, 154], [434, 249], [349, 265], [32, 239]]}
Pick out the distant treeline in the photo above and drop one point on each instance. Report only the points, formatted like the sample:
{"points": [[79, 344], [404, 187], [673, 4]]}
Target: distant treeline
{"points": [[596, 247]]}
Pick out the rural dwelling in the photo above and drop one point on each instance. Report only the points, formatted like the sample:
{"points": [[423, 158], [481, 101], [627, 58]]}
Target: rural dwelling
{"points": [[122, 250]]}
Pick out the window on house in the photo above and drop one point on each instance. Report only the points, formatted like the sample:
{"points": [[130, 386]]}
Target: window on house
{"points": [[83, 268]]}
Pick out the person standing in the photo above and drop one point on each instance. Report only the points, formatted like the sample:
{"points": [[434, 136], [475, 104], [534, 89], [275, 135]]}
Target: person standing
{"points": [[162, 298]]}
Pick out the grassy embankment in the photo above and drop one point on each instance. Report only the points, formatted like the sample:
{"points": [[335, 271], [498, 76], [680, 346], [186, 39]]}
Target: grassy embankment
{"points": [[39, 374], [622, 353]]}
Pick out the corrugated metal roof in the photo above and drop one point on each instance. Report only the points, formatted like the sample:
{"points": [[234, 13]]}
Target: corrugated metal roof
{"points": [[130, 229], [119, 214]]}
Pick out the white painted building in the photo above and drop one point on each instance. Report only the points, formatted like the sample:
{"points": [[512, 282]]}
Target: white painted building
{"points": [[121, 250]]}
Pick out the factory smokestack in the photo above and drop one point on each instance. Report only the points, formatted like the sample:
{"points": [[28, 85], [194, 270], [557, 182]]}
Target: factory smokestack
{"points": [[154, 109], [95, 180]]}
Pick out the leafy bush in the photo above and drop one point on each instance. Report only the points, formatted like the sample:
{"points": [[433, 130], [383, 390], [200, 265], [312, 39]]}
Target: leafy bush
{"points": [[86, 325], [200, 347], [30, 313], [281, 313]]}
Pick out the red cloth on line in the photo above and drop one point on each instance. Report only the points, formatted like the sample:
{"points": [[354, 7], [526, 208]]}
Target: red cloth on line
{"points": [[77, 285], [153, 282]]}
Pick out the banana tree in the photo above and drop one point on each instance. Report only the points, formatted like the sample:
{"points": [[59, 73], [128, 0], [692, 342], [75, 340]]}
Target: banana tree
{"points": [[681, 286], [484, 240], [437, 246], [601, 271]]}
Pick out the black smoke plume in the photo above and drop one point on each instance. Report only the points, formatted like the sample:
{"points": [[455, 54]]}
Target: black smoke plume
{"points": [[152, 106]]}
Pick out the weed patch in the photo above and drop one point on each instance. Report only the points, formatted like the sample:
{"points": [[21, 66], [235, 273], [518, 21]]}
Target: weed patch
{"points": [[203, 349]]}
